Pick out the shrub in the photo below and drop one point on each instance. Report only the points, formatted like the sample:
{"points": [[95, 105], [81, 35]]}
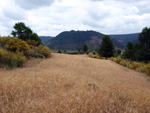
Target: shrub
{"points": [[118, 60], [90, 55], [136, 65], [59, 51], [141, 69], [16, 44], [44, 50], [12, 59], [1, 52], [123, 63], [97, 56], [115, 59], [4, 41], [148, 69], [34, 53], [130, 66], [32, 43]]}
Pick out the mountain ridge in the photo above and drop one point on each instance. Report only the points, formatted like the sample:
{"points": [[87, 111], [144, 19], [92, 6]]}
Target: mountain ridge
{"points": [[73, 40]]}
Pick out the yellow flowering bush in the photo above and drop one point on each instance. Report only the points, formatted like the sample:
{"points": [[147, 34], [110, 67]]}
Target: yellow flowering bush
{"points": [[90, 55], [148, 69], [1, 52], [141, 69], [14, 51], [136, 65], [115, 59], [12, 59], [97, 56], [130, 66], [123, 63], [32, 43], [4, 40], [16, 44], [44, 50]]}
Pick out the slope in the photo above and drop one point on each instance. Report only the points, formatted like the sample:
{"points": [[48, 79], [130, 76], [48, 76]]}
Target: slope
{"points": [[44, 39], [125, 38], [77, 83]]}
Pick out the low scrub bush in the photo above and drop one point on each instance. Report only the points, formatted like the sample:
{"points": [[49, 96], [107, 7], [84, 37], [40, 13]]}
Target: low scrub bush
{"points": [[148, 69], [16, 44], [123, 63], [34, 53], [4, 41], [44, 51], [32, 43], [141, 69], [90, 55], [11, 59], [97, 56], [130, 66], [1, 52], [14, 52], [136, 65], [115, 59]]}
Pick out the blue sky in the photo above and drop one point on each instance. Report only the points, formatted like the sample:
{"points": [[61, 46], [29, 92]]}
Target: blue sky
{"points": [[50, 17]]}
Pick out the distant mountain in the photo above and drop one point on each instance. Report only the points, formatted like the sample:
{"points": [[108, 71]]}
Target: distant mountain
{"points": [[124, 39], [44, 39], [73, 40]]}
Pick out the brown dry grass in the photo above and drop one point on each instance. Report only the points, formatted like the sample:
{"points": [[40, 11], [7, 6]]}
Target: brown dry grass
{"points": [[73, 84]]}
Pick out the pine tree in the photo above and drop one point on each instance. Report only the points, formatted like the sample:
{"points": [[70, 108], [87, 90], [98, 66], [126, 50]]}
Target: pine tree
{"points": [[85, 48], [106, 47], [25, 33]]}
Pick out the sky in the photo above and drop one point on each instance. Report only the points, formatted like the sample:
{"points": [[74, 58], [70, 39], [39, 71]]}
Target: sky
{"points": [[51, 17]]}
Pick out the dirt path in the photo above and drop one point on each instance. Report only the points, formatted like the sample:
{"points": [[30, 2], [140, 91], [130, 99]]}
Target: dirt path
{"points": [[73, 83]]}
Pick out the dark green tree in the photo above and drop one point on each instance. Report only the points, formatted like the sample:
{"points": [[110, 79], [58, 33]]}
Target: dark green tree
{"points": [[144, 38], [118, 52], [79, 51], [106, 47], [59, 51], [128, 53], [139, 51], [25, 33], [85, 48], [35, 37]]}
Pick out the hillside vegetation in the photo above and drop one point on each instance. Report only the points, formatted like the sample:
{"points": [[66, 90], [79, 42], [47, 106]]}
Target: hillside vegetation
{"points": [[125, 38], [74, 40], [73, 83]]}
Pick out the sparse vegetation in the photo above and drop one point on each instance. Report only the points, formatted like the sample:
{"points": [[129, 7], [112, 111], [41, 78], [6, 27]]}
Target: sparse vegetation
{"points": [[137, 66]]}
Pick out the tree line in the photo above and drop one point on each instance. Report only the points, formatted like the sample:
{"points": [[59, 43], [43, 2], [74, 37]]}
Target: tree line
{"points": [[138, 51]]}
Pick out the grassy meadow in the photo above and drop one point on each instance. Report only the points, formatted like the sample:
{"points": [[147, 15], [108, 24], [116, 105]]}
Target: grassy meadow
{"points": [[73, 84]]}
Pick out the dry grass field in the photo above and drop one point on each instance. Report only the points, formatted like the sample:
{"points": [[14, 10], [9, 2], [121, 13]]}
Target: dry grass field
{"points": [[73, 84]]}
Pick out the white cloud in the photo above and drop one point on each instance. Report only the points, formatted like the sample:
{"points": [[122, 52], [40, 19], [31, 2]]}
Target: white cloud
{"points": [[33, 4], [50, 17]]}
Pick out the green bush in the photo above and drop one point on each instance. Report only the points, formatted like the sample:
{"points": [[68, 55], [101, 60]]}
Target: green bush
{"points": [[34, 53]]}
